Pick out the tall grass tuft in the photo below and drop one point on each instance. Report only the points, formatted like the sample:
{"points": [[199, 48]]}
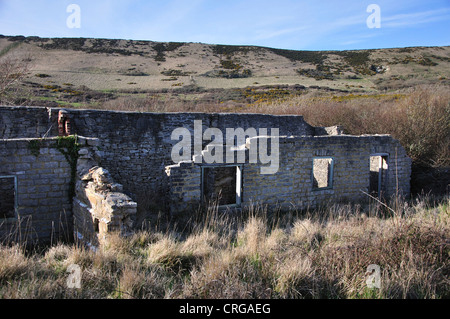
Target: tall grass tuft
{"points": [[317, 254]]}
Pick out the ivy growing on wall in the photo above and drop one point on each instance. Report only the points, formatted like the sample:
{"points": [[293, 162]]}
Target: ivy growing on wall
{"points": [[35, 146], [69, 147]]}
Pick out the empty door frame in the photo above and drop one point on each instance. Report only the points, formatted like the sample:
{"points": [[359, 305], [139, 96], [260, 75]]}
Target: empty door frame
{"points": [[382, 173], [238, 188]]}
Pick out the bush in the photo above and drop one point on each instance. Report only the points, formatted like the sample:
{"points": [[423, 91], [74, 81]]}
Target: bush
{"points": [[314, 57], [42, 75], [229, 50], [162, 48]]}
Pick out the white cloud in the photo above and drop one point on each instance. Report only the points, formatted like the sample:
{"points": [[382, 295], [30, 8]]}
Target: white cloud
{"points": [[269, 34], [411, 19]]}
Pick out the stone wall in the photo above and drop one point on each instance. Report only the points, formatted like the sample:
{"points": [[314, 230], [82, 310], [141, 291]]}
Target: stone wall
{"points": [[347, 168], [136, 147], [27, 122], [43, 176], [293, 185], [184, 183], [100, 207]]}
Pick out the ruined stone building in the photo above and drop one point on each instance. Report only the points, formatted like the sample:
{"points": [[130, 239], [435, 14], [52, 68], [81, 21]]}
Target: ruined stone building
{"points": [[84, 172]]}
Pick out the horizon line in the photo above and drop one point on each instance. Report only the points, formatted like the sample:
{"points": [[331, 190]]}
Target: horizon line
{"points": [[217, 44]]}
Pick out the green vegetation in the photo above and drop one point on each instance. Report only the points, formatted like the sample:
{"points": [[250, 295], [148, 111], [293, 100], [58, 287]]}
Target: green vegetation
{"points": [[320, 73], [76, 44], [229, 50], [358, 60], [314, 57], [174, 72], [9, 48], [69, 147], [162, 48], [256, 96], [172, 78], [42, 75], [230, 65], [425, 61], [35, 147]]}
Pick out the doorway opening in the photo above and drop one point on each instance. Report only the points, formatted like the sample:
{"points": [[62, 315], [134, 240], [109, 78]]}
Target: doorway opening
{"points": [[378, 174], [222, 185]]}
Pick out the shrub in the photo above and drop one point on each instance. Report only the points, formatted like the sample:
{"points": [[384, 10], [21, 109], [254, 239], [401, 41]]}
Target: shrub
{"points": [[12, 71], [316, 74], [314, 57], [230, 65], [229, 50], [162, 48]]}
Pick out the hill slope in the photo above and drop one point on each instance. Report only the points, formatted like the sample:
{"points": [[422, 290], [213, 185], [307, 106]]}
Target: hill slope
{"points": [[105, 65]]}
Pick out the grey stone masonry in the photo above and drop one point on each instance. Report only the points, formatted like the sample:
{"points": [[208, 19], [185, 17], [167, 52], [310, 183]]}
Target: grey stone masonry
{"points": [[345, 159], [43, 177], [293, 184], [136, 147], [100, 207], [184, 184]]}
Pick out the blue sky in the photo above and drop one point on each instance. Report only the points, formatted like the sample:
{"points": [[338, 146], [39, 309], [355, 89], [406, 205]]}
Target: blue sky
{"points": [[288, 24]]}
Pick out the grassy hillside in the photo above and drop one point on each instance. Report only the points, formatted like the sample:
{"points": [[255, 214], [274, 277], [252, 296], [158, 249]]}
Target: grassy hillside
{"points": [[70, 69]]}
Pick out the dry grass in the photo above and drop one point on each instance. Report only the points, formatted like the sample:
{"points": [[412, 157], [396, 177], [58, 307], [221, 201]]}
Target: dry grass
{"points": [[318, 254]]}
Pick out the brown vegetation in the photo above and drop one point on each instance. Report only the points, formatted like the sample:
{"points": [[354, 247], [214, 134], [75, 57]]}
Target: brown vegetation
{"points": [[419, 118], [12, 70], [257, 254]]}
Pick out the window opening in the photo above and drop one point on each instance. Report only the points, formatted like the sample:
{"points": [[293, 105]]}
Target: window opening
{"points": [[322, 173], [8, 196]]}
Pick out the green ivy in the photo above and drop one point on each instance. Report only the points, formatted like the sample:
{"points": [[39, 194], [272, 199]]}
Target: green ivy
{"points": [[35, 146], [69, 147]]}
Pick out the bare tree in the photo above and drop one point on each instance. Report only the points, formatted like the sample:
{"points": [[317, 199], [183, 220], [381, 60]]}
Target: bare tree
{"points": [[12, 70]]}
